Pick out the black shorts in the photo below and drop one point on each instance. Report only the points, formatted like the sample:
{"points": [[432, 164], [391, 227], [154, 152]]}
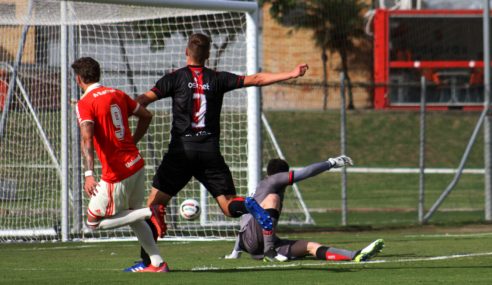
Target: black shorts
{"points": [[178, 166]]}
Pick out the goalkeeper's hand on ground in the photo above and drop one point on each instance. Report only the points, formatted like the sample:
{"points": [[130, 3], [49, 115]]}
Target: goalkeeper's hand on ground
{"points": [[235, 254], [340, 161], [272, 255]]}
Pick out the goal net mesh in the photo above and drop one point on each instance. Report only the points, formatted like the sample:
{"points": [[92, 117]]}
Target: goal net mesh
{"points": [[135, 46]]}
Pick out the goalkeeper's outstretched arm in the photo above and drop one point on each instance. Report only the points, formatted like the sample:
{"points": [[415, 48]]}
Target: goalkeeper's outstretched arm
{"points": [[236, 251], [319, 167], [282, 179]]}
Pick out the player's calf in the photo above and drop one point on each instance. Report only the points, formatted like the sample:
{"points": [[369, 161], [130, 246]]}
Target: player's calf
{"points": [[157, 219]]}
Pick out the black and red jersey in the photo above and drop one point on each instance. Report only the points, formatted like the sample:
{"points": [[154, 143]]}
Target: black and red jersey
{"points": [[197, 93]]}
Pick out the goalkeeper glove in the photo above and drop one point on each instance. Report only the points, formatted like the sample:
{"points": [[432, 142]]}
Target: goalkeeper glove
{"points": [[235, 254], [340, 161], [272, 255]]}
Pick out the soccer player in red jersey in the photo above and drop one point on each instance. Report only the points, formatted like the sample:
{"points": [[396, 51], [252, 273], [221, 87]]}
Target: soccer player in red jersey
{"points": [[197, 93], [266, 245], [116, 200]]}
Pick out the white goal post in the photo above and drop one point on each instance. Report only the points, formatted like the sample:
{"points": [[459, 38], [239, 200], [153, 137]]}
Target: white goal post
{"points": [[136, 42]]}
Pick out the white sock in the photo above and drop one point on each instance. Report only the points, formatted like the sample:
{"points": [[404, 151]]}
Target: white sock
{"points": [[146, 239], [124, 218]]}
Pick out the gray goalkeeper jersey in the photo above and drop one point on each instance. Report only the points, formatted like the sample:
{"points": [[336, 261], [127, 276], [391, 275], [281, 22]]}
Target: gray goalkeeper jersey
{"points": [[250, 232]]}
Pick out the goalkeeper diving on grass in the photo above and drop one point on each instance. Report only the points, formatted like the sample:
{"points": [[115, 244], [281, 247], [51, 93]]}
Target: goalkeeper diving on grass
{"points": [[265, 244]]}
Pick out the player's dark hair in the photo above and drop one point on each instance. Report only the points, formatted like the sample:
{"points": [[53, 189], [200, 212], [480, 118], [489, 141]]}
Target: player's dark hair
{"points": [[88, 69], [199, 47], [277, 165]]}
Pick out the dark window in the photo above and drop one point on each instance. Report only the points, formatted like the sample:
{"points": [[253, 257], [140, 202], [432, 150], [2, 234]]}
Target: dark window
{"points": [[436, 38]]}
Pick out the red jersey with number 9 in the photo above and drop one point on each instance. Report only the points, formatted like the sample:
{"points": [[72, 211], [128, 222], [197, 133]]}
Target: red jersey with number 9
{"points": [[108, 109]]}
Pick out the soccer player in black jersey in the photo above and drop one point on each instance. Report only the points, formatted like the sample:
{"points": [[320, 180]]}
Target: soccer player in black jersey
{"points": [[197, 93], [265, 244]]}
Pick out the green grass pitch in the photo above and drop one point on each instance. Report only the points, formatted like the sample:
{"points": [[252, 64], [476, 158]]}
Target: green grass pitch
{"points": [[429, 255], [454, 249]]}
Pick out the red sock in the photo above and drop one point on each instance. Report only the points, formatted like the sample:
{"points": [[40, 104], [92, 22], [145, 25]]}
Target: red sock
{"points": [[336, 257]]}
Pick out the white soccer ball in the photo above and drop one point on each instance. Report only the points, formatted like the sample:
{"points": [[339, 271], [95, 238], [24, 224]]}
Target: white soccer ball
{"points": [[189, 209]]}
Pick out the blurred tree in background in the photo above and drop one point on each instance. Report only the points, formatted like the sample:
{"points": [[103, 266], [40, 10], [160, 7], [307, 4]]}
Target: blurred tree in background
{"points": [[336, 25]]}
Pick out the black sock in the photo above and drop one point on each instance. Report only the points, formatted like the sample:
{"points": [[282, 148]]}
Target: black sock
{"points": [[321, 252], [237, 207], [274, 213], [269, 236], [143, 254]]}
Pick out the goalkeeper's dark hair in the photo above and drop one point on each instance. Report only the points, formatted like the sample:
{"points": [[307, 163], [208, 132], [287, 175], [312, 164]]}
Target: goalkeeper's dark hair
{"points": [[199, 47], [88, 69], [277, 165]]}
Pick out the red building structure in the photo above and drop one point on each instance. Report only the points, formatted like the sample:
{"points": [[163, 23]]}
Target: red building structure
{"points": [[444, 46]]}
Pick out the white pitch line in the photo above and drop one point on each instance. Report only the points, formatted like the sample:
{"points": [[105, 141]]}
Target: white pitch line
{"points": [[54, 248], [299, 264], [449, 235]]}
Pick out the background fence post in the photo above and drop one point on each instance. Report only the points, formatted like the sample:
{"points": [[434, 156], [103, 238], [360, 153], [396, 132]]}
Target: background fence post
{"points": [[487, 123], [423, 89], [343, 125]]}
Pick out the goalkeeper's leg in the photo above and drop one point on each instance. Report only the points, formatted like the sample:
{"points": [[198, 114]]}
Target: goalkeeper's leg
{"points": [[337, 254], [234, 206], [330, 253], [301, 248]]}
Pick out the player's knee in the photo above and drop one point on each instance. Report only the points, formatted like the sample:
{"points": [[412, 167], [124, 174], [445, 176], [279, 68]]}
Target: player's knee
{"points": [[271, 201], [274, 213], [93, 225], [93, 221]]}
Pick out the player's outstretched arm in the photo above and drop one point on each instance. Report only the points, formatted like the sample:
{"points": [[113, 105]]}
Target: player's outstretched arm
{"points": [[236, 252], [146, 98], [319, 167], [263, 78]]}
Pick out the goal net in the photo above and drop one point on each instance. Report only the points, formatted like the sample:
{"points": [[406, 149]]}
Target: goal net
{"points": [[135, 46]]}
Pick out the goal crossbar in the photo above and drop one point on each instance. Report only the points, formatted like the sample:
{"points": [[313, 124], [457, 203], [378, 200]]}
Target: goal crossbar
{"points": [[216, 5]]}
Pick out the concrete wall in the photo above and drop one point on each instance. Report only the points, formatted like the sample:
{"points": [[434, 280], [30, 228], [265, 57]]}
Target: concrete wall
{"points": [[10, 36]]}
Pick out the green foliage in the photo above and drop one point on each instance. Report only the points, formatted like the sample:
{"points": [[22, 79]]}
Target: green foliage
{"points": [[384, 139], [222, 27], [335, 23], [377, 138]]}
